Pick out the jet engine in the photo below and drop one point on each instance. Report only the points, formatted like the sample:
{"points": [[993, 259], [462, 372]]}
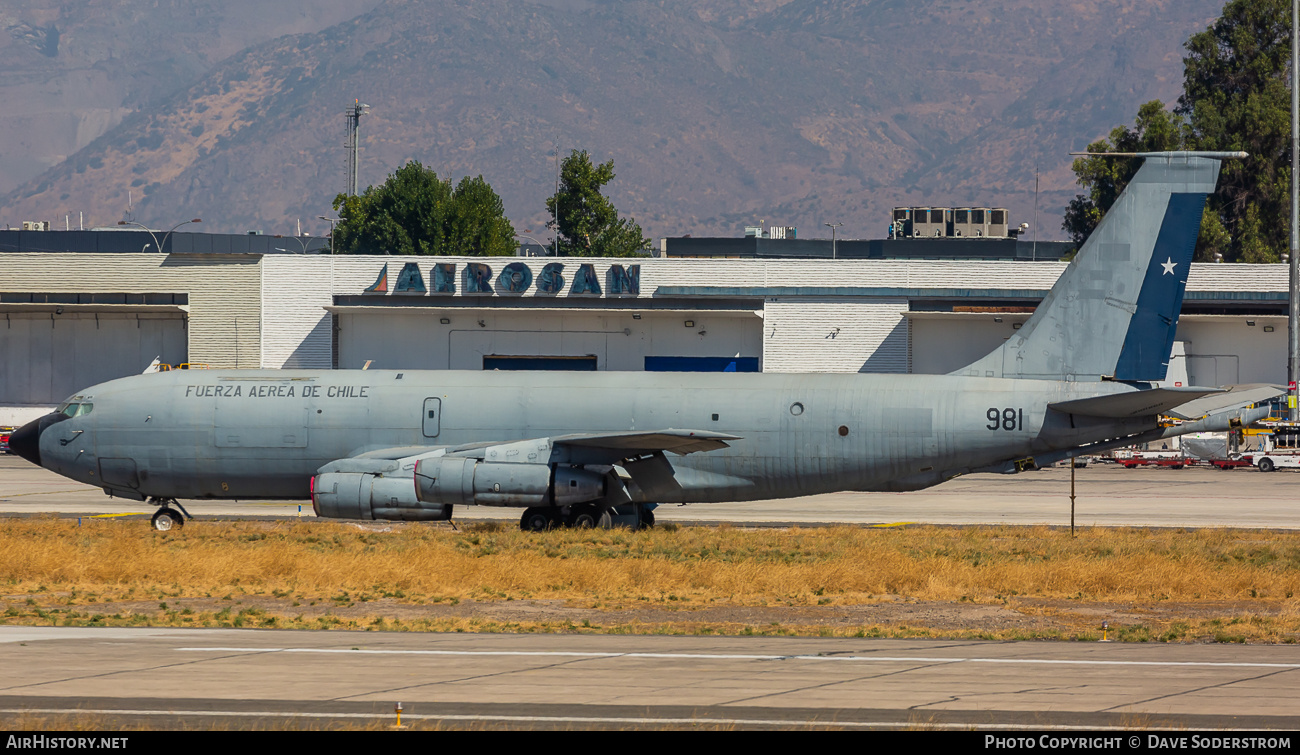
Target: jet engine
{"points": [[354, 495], [450, 480]]}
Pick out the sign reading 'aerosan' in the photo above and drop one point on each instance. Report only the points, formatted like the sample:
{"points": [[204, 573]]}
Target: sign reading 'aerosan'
{"points": [[476, 278]]}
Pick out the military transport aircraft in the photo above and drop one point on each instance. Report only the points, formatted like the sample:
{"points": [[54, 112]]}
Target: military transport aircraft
{"points": [[580, 449]]}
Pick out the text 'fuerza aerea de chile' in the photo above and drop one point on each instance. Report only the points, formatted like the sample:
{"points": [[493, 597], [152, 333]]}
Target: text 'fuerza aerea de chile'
{"points": [[277, 390]]}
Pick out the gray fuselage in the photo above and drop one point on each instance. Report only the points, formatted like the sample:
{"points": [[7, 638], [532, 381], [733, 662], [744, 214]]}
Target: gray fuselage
{"points": [[265, 433]]}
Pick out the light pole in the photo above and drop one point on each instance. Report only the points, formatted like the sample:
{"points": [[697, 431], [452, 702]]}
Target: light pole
{"points": [[158, 244], [1293, 317], [301, 243], [834, 226], [331, 221], [535, 241], [555, 198]]}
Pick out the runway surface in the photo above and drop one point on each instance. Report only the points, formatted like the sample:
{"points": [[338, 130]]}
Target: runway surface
{"points": [[171, 676], [1107, 496]]}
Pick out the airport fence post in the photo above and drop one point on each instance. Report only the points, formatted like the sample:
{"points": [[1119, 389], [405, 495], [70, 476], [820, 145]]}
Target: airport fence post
{"points": [[1071, 497]]}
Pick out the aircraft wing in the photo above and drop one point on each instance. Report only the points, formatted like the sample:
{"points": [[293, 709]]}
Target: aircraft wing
{"points": [[1133, 403], [584, 448], [633, 443]]}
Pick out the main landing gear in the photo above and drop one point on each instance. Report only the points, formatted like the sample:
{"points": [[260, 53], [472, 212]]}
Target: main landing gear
{"points": [[166, 518], [586, 516]]}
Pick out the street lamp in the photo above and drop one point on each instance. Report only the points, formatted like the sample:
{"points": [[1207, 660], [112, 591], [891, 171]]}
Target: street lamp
{"points": [[1293, 287], [158, 244], [301, 243], [331, 221], [832, 226], [535, 241]]}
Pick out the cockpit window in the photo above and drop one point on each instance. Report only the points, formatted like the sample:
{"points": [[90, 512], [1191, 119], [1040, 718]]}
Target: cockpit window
{"points": [[75, 410]]}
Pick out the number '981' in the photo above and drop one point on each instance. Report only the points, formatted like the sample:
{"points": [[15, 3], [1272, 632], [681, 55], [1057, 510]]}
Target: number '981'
{"points": [[1005, 419]]}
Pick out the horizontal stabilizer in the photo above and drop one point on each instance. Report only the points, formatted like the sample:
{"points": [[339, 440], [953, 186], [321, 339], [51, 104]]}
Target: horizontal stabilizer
{"points": [[630, 443], [1134, 403], [1239, 395]]}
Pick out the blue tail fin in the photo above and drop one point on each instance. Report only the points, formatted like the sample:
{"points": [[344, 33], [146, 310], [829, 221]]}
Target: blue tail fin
{"points": [[1113, 312]]}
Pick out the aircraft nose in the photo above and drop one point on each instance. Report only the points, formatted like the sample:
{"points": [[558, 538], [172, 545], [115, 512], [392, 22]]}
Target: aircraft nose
{"points": [[26, 441]]}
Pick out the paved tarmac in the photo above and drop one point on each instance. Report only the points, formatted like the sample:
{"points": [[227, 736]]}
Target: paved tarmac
{"points": [[1107, 495], [234, 678], [176, 677]]}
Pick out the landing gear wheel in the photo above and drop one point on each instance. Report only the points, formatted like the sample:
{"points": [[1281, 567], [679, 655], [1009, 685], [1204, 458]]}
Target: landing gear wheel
{"points": [[537, 519], [583, 517], [646, 518], [1266, 464], [165, 520], [587, 517]]}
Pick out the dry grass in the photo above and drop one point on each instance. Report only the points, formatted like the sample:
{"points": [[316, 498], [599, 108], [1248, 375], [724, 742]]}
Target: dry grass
{"points": [[56, 572]]}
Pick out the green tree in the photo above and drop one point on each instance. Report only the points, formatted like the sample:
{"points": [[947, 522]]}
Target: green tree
{"points": [[1235, 97], [1155, 130], [586, 223], [415, 212]]}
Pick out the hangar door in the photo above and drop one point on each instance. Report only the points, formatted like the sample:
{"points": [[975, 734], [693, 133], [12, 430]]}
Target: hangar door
{"points": [[46, 357]]}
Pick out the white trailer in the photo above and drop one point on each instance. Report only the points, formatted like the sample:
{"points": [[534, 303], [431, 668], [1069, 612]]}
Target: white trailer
{"points": [[1267, 462]]}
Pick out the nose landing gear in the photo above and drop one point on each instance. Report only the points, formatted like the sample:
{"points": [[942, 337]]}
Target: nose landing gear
{"points": [[166, 518]]}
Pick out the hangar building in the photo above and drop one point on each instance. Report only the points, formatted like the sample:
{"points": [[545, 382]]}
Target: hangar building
{"points": [[72, 319]]}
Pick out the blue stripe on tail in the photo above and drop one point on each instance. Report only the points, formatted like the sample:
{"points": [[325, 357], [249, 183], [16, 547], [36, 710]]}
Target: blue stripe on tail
{"points": [[1150, 338]]}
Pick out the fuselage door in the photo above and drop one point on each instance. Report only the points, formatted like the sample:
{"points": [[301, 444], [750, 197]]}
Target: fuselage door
{"points": [[432, 416]]}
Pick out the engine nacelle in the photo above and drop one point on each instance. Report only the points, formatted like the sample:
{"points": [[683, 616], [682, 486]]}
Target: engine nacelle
{"points": [[354, 495], [451, 480]]}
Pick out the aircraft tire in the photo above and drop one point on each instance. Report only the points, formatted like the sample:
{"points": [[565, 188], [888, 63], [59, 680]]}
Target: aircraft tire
{"points": [[1266, 464], [165, 520], [537, 519], [583, 517], [589, 516], [646, 518]]}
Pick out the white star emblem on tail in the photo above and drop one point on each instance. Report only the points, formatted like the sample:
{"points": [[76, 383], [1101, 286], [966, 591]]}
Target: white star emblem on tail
{"points": [[1169, 265]]}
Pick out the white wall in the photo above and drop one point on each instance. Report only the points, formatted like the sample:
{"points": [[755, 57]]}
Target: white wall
{"points": [[295, 325], [1224, 350], [834, 334], [418, 340], [946, 343], [223, 290], [1220, 349], [45, 359], [798, 333]]}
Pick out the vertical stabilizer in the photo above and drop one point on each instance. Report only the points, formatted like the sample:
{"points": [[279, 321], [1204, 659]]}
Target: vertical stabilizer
{"points": [[1114, 311]]}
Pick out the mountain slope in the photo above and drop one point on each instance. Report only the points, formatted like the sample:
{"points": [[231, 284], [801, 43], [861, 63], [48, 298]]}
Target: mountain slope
{"points": [[717, 113], [69, 71]]}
